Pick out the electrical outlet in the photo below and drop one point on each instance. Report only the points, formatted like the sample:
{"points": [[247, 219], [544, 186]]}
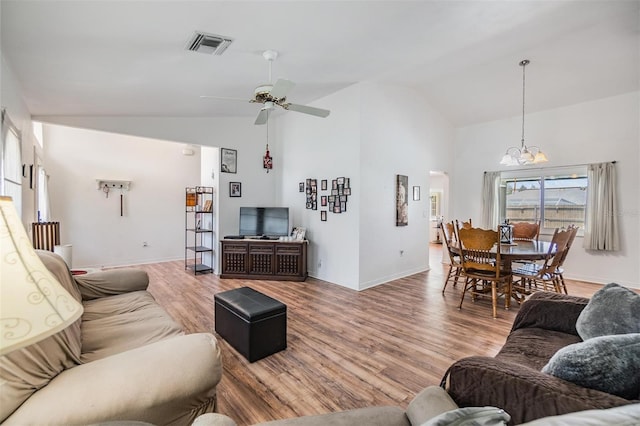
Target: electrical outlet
{"points": [[319, 264]]}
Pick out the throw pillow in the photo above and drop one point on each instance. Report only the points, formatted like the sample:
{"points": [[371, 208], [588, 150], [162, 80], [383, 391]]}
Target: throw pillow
{"points": [[607, 363], [471, 416], [613, 309]]}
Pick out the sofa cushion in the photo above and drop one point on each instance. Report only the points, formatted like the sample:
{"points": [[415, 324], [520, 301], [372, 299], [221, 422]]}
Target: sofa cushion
{"points": [[606, 363], [613, 309], [532, 347], [115, 324], [625, 415], [471, 416], [24, 371]]}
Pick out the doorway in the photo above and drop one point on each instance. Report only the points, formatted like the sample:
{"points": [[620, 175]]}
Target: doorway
{"points": [[438, 209]]}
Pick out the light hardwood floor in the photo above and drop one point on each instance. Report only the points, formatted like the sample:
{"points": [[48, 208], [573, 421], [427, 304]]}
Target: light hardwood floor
{"points": [[346, 349]]}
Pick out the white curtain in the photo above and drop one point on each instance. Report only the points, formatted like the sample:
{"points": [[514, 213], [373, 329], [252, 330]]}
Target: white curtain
{"points": [[44, 206], [491, 200], [601, 232]]}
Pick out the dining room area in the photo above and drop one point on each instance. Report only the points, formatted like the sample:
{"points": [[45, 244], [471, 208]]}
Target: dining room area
{"points": [[502, 265]]}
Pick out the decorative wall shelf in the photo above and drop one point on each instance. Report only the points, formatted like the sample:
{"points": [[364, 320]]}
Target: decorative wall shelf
{"points": [[111, 184]]}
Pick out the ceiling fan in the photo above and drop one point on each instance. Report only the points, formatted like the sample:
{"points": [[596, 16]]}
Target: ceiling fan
{"points": [[272, 95]]}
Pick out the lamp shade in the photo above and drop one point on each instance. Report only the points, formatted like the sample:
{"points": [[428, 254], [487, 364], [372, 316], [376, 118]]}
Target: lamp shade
{"points": [[33, 305]]}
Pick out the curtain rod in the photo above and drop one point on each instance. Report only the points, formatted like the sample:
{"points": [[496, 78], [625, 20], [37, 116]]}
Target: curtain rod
{"points": [[556, 167]]}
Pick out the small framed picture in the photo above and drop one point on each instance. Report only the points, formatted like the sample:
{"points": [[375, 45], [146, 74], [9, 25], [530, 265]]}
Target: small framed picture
{"points": [[301, 187], [323, 184], [323, 200], [228, 160], [416, 193], [235, 189], [298, 233], [323, 215]]}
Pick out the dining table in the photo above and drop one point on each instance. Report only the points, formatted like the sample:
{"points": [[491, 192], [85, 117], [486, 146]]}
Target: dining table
{"points": [[518, 251]]}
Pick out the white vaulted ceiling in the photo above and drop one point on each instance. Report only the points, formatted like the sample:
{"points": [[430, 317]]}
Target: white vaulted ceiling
{"points": [[128, 58]]}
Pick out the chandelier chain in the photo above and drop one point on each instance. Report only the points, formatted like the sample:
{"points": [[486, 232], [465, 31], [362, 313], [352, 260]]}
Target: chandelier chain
{"points": [[524, 64]]}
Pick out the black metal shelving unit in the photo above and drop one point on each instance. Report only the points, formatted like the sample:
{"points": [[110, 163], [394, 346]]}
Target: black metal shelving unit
{"points": [[199, 234]]}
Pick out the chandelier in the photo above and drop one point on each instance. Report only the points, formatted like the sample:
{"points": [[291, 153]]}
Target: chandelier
{"points": [[517, 156]]}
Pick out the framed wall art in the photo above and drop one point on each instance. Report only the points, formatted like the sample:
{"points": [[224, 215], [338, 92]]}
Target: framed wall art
{"points": [[416, 193], [402, 195], [228, 160], [235, 189]]}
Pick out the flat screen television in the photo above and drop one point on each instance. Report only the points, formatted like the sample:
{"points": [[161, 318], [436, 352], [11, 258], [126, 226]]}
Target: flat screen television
{"points": [[264, 221]]}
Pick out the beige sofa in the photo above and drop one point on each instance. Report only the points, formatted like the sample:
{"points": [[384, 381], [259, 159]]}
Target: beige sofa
{"points": [[124, 359], [433, 407]]}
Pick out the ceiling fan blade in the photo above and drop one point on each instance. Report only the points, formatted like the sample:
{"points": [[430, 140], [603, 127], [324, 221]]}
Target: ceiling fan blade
{"points": [[263, 116], [318, 112], [223, 98], [281, 88]]}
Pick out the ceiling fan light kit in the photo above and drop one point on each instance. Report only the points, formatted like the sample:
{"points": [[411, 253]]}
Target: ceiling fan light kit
{"points": [[270, 95], [523, 155]]}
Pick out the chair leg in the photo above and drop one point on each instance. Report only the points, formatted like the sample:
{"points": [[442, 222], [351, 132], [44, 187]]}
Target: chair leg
{"points": [[563, 284], [494, 299], [447, 278], [464, 291]]}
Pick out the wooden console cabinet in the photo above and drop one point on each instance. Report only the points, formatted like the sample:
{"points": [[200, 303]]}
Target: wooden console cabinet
{"points": [[264, 259]]}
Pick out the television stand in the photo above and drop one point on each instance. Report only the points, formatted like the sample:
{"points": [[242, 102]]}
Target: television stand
{"points": [[264, 259]]}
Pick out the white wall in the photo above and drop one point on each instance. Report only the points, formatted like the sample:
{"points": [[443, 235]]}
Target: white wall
{"points": [[210, 176], [373, 133], [325, 148], [590, 132], [153, 208], [258, 187], [401, 134], [11, 99]]}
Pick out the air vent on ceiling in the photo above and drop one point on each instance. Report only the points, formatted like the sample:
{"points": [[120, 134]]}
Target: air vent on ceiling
{"points": [[209, 43]]}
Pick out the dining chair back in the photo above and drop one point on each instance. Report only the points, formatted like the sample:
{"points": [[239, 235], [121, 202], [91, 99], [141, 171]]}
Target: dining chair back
{"points": [[526, 231], [449, 232], [482, 266], [533, 274], [466, 225], [560, 267], [455, 267]]}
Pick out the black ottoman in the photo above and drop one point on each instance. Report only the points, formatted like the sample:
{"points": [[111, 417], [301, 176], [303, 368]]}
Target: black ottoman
{"points": [[253, 323]]}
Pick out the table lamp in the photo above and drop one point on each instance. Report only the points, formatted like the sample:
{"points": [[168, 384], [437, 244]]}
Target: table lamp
{"points": [[33, 305]]}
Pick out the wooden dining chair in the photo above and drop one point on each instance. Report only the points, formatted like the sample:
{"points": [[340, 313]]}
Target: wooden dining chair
{"points": [[465, 225], [532, 275], [526, 231], [482, 267], [455, 267], [560, 268]]}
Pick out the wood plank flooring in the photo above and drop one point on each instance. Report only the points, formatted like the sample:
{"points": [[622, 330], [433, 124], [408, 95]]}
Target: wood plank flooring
{"points": [[346, 349]]}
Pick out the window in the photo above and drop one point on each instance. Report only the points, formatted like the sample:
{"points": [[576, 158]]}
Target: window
{"points": [[37, 132], [11, 166], [555, 197]]}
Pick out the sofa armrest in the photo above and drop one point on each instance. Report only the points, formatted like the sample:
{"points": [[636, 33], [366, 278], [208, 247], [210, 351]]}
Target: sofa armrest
{"points": [[429, 403], [524, 393], [111, 282], [550, 311], [170, 381], [214, 419]]}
